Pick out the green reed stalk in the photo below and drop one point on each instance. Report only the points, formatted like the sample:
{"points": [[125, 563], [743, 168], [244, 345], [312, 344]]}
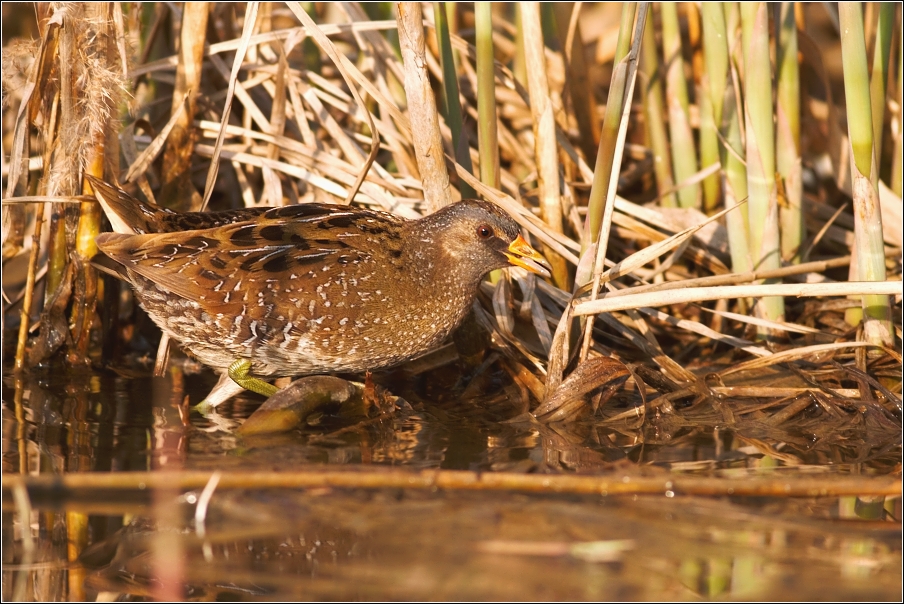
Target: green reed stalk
{"points": [[655, 119], [596, 205], [870, 249], [486, 96], [787, 133], [625, 27], [856, 88], [487, 135], [684, 154], [709, 147], [732, 11], [460, 146], [519, 65], [897, 165], [879, 75], [727, 116], [763, 203]]}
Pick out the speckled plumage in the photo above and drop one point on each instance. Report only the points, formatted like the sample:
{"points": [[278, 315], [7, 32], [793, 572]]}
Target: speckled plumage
{"points": [[310, 288]]}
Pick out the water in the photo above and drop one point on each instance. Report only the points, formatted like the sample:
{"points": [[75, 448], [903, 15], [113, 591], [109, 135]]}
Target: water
{"points": [[401, 543]]}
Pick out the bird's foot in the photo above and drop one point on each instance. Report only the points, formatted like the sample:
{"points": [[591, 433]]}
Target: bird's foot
{"points": [[239, 370]]}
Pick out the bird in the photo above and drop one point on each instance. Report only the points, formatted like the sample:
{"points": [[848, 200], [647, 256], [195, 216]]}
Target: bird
{"points": [[305, 289]]}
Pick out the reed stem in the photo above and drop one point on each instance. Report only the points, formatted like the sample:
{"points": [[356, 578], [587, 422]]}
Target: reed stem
{"points": [[763, 203], [787, 128], [877, 326]]}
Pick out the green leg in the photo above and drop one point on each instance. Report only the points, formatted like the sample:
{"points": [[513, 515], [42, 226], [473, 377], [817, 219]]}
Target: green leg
{"points": [[239, 370]]}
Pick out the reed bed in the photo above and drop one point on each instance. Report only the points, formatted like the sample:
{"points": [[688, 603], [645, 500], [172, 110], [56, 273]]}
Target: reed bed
{"points": [[723, 153], [717, 188]]}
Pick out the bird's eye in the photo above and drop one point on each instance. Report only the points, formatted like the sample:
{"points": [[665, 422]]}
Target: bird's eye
{"points": [[484, 232]]}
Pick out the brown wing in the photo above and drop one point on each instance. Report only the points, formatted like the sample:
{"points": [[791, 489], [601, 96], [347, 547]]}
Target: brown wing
{"points": [[248, 267]]}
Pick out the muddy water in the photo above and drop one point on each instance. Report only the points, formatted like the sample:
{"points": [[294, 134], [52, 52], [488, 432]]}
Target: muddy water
{"points": [[382, 543]]}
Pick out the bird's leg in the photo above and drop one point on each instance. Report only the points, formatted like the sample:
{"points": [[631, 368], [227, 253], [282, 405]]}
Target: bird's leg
{"points": [[239, 370]]}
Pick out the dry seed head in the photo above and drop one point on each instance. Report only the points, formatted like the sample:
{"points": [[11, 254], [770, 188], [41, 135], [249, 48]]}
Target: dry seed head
{"points": [[99, 89], [18, 60]]}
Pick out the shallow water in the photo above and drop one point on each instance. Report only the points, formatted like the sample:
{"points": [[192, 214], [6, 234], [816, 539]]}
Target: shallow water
{"points": [[398, 543]]}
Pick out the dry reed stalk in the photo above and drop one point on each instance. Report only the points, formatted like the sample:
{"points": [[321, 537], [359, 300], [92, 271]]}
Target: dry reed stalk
{"points": [[57, 250], [178, 192], [544, 127], [422, 110], [273, 193], [735, 278], [792, 355], [233, 88], [29, 290], [699, 294], [801, 486], [580, 91], [31, 271]]}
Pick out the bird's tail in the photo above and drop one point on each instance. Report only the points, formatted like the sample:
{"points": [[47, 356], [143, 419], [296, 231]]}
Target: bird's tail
{"points": [[127, 214]]}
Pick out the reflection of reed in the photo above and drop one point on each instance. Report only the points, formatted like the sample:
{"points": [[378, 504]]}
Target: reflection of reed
{"points": [[405, 441], [383, 544]]}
